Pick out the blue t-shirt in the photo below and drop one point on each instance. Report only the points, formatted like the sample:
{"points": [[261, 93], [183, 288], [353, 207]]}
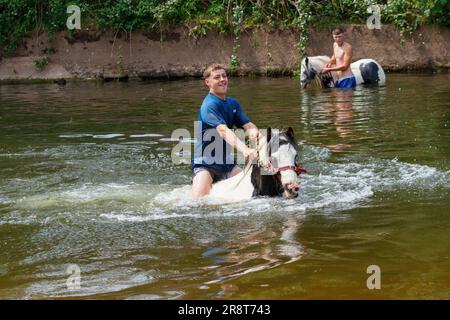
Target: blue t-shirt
{"points": [[213, 112]]}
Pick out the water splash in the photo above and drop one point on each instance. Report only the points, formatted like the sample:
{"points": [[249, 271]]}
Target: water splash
{"points": [[347, 184]]}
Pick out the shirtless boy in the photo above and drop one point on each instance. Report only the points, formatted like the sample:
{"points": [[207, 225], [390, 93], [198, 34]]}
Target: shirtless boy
{"points": [[341, 60]]}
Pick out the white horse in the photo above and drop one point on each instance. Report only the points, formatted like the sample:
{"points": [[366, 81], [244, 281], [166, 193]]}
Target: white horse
{"points": [[366, 71], [275, 174]]}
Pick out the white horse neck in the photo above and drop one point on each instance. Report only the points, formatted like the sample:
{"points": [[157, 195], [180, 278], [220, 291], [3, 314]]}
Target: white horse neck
{"points": [[318, 62]]}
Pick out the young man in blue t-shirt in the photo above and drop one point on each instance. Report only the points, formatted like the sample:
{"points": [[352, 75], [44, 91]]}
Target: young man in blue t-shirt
{"points": [[218, 114]]}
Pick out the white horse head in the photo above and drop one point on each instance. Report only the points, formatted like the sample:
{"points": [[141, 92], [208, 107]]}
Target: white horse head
{"points": [[310, 68], [275, 174], [281, 156]]}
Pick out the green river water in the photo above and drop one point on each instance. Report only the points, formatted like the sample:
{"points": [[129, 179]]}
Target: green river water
{"points": [[86, 179]]}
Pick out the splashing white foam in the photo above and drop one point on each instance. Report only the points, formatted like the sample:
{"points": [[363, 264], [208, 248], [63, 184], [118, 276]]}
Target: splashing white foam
{"points": [[327, 186], [80, 135], [185, 140], [146, 135], [108, 136], [120, 278]]}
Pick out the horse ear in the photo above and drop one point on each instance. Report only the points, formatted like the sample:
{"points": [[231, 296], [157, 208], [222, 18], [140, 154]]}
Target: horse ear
{"points": [[269, 133], [306, 60], [290, 132]]}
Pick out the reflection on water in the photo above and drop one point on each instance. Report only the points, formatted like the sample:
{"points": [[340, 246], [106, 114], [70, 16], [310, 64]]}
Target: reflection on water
{"points": [[86, 178], [342, 110], [260, 249], [240, 255], [341, 107]]}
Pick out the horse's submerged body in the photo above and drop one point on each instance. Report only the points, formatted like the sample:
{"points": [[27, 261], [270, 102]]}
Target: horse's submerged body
{"points": [[366, 71], [279, 149]]}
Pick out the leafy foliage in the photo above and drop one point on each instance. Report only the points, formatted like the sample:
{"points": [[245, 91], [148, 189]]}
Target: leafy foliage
{"points": [[18, 17], [41, 62]]}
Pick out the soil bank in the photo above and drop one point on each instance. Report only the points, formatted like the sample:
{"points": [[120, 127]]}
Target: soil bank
{"points": [[104, 55]]}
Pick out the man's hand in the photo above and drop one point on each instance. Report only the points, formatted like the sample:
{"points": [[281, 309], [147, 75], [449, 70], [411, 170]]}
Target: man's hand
{"points": [[234, 141], [251, 130], [253, 133], [326, 69], [249, 154]]}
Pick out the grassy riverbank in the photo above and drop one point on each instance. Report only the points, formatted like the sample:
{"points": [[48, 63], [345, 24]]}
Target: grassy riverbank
{"points": [[18, 17]]}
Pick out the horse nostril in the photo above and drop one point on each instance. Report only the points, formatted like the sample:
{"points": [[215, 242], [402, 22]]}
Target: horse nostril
{"points": [[296, 189]]}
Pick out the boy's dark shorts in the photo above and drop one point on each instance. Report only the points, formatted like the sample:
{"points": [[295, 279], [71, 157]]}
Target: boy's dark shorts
{"points": [[218, 172]]}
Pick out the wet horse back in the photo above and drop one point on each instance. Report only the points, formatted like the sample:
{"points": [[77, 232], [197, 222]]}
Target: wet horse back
{"points": [[368, 71]]}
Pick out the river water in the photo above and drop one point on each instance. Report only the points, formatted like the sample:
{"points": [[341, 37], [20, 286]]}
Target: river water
{"points": [[87, 185]]}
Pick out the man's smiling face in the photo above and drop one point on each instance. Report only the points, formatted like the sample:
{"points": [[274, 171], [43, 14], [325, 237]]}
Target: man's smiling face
{"points": [[218, 82]]}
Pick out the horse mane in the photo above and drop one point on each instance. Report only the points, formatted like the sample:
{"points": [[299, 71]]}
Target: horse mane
{"points": [[290, 140], [323, 59], [326, 79]]}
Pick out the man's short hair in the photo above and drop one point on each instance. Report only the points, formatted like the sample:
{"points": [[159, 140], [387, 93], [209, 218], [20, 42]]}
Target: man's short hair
{"points": [[337, 31], [211, 68]]}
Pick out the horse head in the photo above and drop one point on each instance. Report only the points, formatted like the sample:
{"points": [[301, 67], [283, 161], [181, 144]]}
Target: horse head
{"points": [[307, 73], [311, 67], [280, 159]]}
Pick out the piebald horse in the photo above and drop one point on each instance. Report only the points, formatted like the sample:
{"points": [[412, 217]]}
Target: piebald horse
{"points": [[366, 71], [275, 173]]}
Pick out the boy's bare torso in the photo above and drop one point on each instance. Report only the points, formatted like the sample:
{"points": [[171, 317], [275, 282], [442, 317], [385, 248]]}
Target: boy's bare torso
{"points": [[339, 54]]}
